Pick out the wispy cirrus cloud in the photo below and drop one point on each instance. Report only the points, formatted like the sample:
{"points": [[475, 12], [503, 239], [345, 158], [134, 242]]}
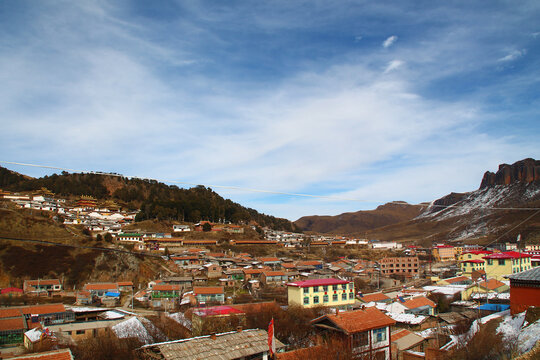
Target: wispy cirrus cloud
{"points": [[389, 41], [513, 55]]}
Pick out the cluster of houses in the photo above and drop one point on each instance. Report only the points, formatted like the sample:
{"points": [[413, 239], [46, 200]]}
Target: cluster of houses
{"points": [[85, 211]]}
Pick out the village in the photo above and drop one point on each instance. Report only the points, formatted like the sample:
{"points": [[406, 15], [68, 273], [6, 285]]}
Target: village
{"points": [[399, 301]]}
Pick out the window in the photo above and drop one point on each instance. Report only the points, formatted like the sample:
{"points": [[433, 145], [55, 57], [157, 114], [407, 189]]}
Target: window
{"points": [[315, 288], [306, 290], [315, 299], [344, 286], [335, 297], [343, 296], [79, 332], [334, 287], [351, 296], [306, 300], [360, 339], [325, 298], [501, 261], [325, 288], [490, 261], [379, 334]]}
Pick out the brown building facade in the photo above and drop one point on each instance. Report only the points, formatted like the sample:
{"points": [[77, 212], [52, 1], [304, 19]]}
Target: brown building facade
{"points": [[407, 266]]}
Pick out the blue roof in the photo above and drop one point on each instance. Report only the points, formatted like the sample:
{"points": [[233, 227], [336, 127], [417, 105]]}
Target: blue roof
{"points": [[112, 294], [494, 307]]}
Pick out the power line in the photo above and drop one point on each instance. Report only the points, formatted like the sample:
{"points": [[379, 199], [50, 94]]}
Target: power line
{"points": [[239, 188]]}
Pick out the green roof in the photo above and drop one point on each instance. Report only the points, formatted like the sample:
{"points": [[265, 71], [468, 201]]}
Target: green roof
{"points": [[129, 234]]}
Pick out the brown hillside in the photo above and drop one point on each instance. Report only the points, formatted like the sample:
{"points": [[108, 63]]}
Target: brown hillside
{"points": [[360, 221]]}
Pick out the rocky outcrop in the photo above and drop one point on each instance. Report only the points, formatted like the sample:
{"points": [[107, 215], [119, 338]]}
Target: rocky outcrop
{"points": [[525, 171]]}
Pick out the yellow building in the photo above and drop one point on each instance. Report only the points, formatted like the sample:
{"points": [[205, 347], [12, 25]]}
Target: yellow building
{"points": [[444, 253], [502, 264], [321, 292], [472, 261]]}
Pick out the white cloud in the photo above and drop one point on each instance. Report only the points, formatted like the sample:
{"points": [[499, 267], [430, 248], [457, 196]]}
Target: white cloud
{"points": [[514, 55], [393, 65], [389, 41]]}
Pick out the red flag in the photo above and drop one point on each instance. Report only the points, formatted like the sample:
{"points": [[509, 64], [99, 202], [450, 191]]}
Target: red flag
{"points": [[271, 338]]}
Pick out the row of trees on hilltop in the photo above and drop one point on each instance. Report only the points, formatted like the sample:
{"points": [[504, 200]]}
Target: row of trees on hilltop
{"points": [[155, 200]]}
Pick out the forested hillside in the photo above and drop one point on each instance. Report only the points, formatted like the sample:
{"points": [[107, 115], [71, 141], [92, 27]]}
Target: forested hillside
{"points": [[155, 200]]}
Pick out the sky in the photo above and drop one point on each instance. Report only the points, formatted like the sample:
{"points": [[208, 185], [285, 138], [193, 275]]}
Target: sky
{"points": [[360, 102]]}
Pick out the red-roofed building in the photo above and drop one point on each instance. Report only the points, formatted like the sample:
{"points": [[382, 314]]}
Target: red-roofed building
{"points": [[499, 265], [322, 292], [420, 305], [208, 315], [365, 332], [273, 277], [63, 354], [11, 291], [100, 289], [209, 294], [375, 297], [42, 285]]}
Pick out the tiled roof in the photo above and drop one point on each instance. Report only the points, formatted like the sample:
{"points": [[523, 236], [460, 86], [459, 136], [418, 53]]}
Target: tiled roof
{"points": [[265, 259], [274, 273], [10, 312], [204, 290], [63, 354], [399, 334], [253, 271], [491, 284], [11, 290], [508, 255], [125, 283], [456, 279], [358, 320], [318, 282], [308, 263], [43, 309], [418, 302], [379, 296], [478, 252], [101, 286], [12, 324], [232, 345], [217, 310], [478, 261], [287, 265], [159, 287], [532, 275], [42, 282]]}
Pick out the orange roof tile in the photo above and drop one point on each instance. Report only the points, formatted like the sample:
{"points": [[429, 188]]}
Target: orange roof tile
{"points": [[274, 273], [12, 324], [456, 279], [308, 263], [10, 312], [379, 296], [43, 309], [491, 284], [265, 259], [203, 290], [125, 283], [418, 302], [63, 354], [399, 334], [253, 271], [166, 287], [287, 265], [42, 282], [358, 320], [101, 286]]}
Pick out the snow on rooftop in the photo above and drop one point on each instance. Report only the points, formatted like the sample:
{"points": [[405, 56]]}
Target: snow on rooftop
{"points": [[528, 336], [82, 309], [133, 328], [407, 318], [112, 315], [449, 290], [33, 335]]}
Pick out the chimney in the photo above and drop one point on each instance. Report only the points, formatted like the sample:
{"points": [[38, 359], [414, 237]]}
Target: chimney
{"points": [[238, 329], [213, 336]]}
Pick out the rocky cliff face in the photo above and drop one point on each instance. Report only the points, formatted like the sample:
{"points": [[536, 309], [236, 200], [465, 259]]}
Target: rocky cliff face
{"points": [[525, 171]]}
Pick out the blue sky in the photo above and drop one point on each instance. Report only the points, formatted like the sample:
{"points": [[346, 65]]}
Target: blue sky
{"points": [[376, 101]]}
